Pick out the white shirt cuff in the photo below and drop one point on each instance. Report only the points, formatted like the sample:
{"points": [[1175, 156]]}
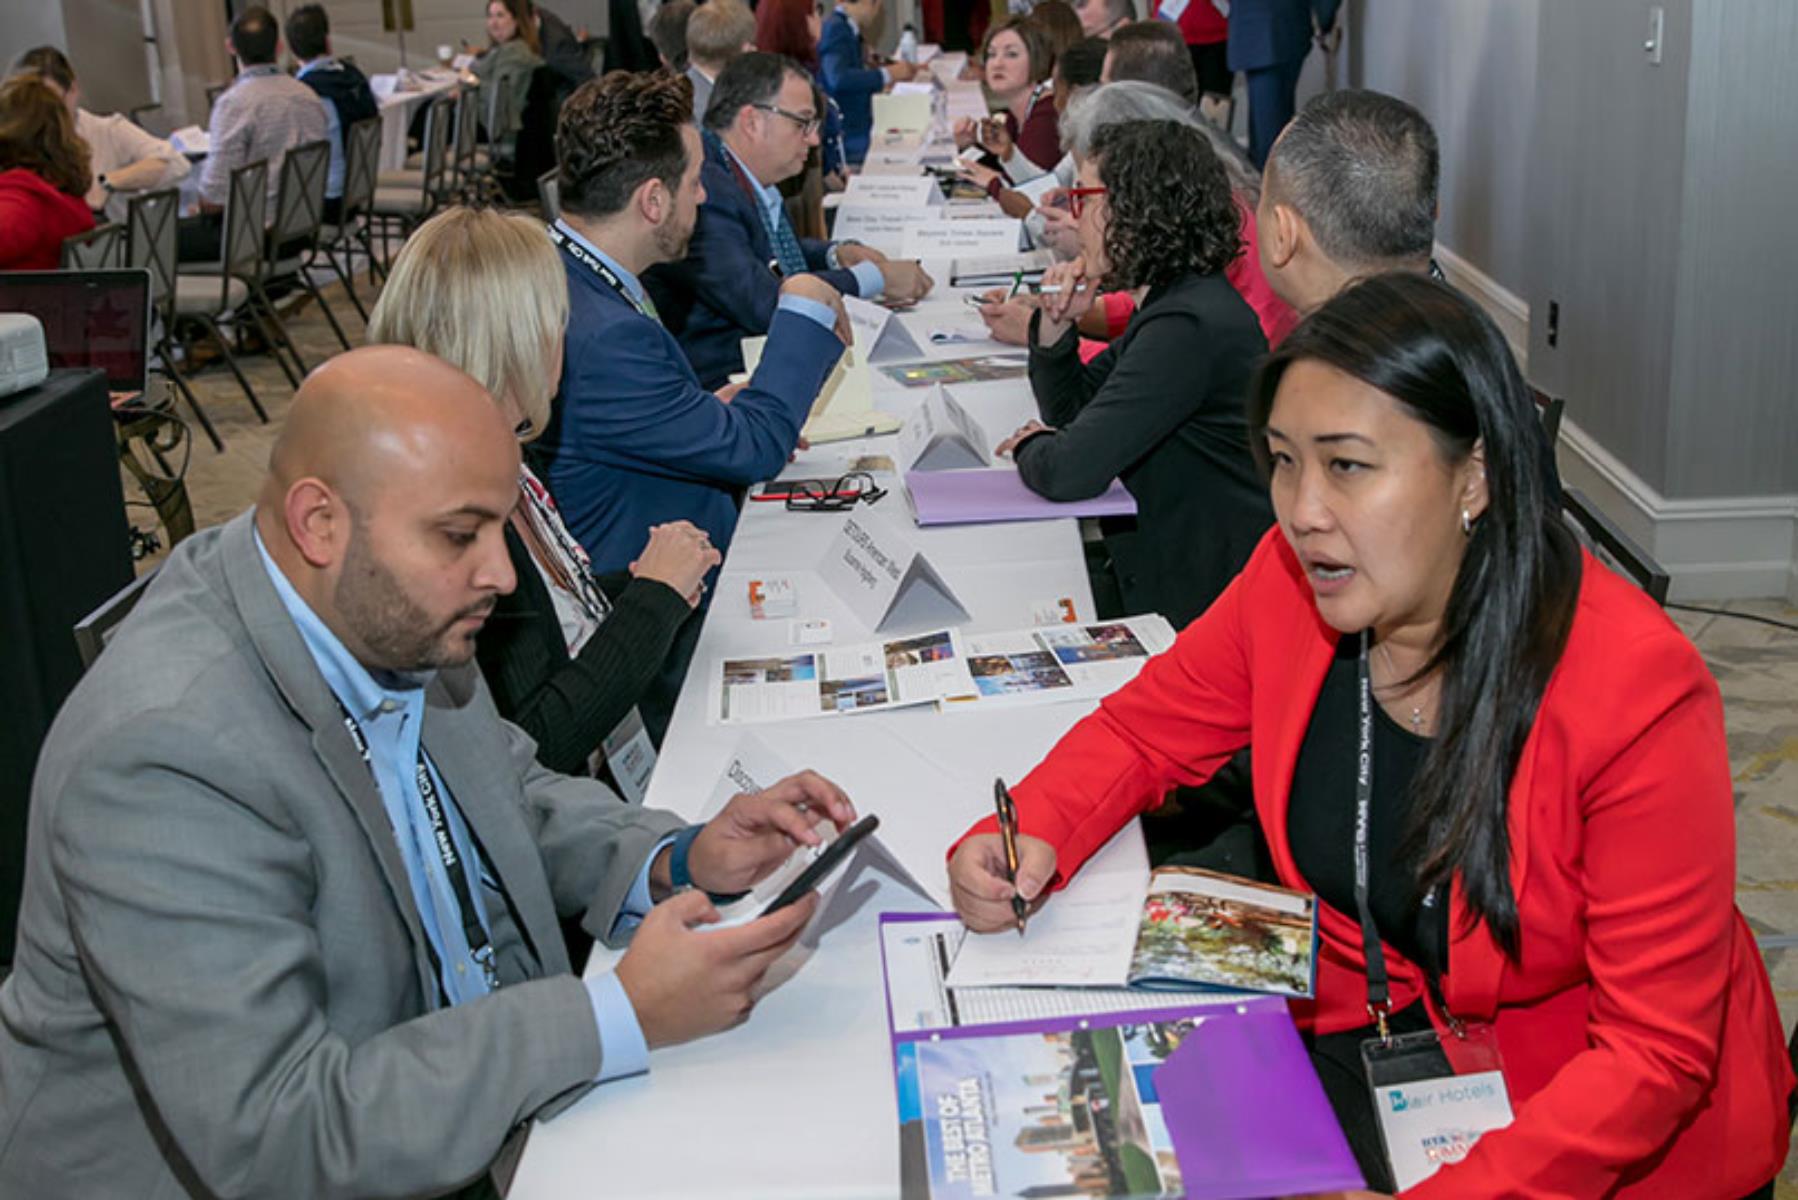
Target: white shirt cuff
{"points": [[823, 314], [869, 282], [622, 1048]]}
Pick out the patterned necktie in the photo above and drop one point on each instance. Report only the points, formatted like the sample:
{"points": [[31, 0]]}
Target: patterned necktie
{"points": [[786, 244], [647, 307]]}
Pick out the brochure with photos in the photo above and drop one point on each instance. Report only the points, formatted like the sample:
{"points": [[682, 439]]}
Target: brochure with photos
{"points": [[1203, 929]]}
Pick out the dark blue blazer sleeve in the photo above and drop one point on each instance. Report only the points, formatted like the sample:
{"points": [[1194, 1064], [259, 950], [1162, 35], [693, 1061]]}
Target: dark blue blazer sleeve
{"points": [[840, 67]]}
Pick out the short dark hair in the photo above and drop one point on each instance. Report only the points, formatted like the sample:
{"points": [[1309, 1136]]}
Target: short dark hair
{"points": [[308, 32], [1172, 211], [668, 31], [1082, 63], [1154, 52], [48, 62], [1361, 168], [617, 132], [254, 36], [754, 79]]}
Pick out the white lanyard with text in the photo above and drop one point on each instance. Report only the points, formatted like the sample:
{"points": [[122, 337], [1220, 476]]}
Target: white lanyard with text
{"points": [[480, 949], [1432, 1096], [591, 261]]}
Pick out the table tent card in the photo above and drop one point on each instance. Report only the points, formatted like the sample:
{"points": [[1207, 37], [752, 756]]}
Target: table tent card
{"points": [[886, 581], [962, 236], [883, 228], [940, 435], [906, 114], [891, 191], [879, 336]]}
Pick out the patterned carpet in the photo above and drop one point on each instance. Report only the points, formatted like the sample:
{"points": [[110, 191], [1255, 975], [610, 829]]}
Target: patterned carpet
{"points": [[1756, 665]]}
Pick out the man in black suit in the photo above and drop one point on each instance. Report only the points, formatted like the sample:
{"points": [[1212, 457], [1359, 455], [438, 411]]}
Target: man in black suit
{"points": [[1269, 40]]}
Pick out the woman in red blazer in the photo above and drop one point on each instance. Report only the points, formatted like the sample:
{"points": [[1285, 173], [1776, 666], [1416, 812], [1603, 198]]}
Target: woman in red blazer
{"points": [[43, 176], [1552, 827]]}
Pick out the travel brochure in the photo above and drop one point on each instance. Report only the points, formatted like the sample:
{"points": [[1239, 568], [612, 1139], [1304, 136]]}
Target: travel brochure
{"points": [[944, 666], [983, 369]]}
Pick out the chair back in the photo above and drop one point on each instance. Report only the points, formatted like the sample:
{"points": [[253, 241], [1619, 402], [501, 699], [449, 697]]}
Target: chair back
{"points": [[1549, 408], [467, 140], [246, 222], [549, 194], [361, 158], [99, 249], [300, 201], [150, 243], [93, 631], [1612, 546], [436, 156]]}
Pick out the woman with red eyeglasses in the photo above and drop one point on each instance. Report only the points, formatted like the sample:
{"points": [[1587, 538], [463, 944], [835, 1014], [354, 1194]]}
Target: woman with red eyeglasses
{"points": [[1162, 407]]}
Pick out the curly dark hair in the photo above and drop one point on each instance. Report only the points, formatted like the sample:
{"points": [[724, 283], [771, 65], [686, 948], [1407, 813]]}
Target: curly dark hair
{"points": [[616, 133], [1172, 213], [38, 134]]}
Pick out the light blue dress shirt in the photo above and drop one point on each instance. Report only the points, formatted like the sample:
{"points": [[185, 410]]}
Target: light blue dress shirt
{"points": [[390, 713], [811, 309], [334, 128], [869, 282]]}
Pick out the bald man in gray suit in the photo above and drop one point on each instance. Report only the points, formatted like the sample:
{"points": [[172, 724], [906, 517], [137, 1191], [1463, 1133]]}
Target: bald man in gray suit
{"points": [[292, 886]]}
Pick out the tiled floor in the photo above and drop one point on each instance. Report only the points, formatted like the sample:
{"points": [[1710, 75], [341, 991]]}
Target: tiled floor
{"points": [[1756, 665]]}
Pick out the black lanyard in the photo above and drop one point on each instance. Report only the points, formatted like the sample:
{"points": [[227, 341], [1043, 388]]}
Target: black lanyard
{"points": [[479, 947], [591, 261]]}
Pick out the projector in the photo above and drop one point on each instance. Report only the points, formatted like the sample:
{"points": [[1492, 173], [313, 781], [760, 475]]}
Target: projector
{"points": [[23, 362]]}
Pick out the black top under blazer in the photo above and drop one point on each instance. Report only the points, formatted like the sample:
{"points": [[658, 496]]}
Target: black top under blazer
{"points": [[1163, 408]]}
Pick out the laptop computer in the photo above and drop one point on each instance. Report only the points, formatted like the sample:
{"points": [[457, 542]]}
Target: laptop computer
{"points": [[91, 319]]}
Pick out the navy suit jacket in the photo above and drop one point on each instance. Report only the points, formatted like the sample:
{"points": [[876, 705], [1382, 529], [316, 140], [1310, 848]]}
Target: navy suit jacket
{"points": [[1266, 32], [724, 291], [635, 441], [844, 73]]}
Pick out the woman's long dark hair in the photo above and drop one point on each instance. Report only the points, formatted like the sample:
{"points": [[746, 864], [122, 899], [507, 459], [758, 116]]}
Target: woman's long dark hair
{"points": [[1447, 365], [1172, 211]]}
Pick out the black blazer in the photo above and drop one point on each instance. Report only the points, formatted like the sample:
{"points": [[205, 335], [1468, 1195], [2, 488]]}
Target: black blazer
{"points": [[569, 704], [1163, 409]]}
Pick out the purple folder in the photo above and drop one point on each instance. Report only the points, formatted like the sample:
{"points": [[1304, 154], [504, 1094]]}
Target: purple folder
{"points": [[1247, 1114], [998, 494]]}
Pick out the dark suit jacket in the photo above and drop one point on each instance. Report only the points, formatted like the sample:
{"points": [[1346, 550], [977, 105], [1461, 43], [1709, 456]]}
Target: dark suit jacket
{"points": [[634, 440], [1162, 409], [1265, 32], [845, 75], [569, 704], [723, 291]]}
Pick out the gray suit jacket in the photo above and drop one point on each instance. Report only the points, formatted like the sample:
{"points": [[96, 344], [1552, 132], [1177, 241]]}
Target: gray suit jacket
{"points": [[221, 986], [702, 93]]}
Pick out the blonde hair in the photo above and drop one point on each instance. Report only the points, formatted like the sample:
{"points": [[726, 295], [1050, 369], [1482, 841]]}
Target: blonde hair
{"points": [[484, 291]]}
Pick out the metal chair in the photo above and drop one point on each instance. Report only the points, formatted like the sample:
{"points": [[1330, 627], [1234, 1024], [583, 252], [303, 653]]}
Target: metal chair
{"points": [[361, 156], [150, 239], [227, 290], [1613, 546], [549, 195], [99, 249], [299, 216], [464, 146], [1549, 408], [406, 199], [93, 631]]}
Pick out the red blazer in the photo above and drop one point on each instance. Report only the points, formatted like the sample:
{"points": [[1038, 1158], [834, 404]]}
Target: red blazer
{"points": [[34, 220], [1642, 1049]]}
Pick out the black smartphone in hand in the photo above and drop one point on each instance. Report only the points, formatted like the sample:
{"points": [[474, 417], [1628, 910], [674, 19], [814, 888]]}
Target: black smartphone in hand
{"points": [[820, 867]]}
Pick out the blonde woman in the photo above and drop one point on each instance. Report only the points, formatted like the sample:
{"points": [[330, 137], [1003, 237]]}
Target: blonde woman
{"points": [[566, 655]]}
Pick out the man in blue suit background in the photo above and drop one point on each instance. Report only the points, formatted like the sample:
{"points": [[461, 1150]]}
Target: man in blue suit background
{"points": [[1269, 40], [844, 71], [634, 439], [762, 123]]}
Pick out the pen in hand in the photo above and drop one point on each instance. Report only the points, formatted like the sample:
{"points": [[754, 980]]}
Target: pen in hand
{"points": [[1008, 831]]}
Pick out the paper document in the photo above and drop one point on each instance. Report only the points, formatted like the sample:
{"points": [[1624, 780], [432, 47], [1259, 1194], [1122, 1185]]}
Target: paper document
{"points": [[920, 669], [999, 270], [191, 140], [1063, 662]]}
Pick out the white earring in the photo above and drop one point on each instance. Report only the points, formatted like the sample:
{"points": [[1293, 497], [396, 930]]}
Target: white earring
{"points": [[1466, 523]]}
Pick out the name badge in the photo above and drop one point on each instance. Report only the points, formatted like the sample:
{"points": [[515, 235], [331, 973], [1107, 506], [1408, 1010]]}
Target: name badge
{"points": [[1434, 1095]]}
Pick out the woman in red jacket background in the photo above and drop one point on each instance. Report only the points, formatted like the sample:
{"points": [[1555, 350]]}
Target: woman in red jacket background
{"points": [[43, 176], [1551, 832]]}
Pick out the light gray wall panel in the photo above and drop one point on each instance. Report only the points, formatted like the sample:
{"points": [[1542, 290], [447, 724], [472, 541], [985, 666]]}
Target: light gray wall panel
{"points": [[1734, 422], [28, 23], [106, 46]]}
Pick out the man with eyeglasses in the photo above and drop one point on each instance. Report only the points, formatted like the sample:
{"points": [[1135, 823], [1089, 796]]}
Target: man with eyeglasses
{"points": [[760, 126]]}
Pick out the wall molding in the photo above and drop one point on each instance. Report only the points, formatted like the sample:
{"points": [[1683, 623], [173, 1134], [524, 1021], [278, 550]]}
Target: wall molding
{"points": [[1722, 548]]}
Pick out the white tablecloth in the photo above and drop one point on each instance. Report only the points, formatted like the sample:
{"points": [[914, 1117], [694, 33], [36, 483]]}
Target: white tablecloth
{"points": [[397, 109]]}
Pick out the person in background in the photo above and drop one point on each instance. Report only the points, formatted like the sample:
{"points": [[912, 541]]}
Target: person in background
{"points": [[43, 176], [343, 87], [1151, 51], [1021, 140], [792, 28], [1161, 407], [1060, 26], [564, 49], [259, 118], [1205, 28], [123, 158], [758, 132], [1100, 17], [846, 75], [1076, 73], [289, 873], [1350, 190], [718, 32], [502, 72], [668, 32], [566, 654], [1549, 827], [1268, 42]]}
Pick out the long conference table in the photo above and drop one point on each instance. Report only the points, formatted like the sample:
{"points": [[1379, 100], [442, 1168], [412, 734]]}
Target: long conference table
{"points": [[799, 1101]]}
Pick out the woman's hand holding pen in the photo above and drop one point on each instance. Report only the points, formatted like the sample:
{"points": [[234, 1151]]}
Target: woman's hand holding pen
{"points": [[1067, 295], [978, 885]]}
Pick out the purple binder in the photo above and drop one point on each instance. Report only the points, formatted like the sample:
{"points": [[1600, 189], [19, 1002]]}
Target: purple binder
{"points": [[998, 494]]}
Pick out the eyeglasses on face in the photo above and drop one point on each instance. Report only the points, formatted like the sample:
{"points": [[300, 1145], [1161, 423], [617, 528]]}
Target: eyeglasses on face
{"points": [[1077, 198], [807, 125]]}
